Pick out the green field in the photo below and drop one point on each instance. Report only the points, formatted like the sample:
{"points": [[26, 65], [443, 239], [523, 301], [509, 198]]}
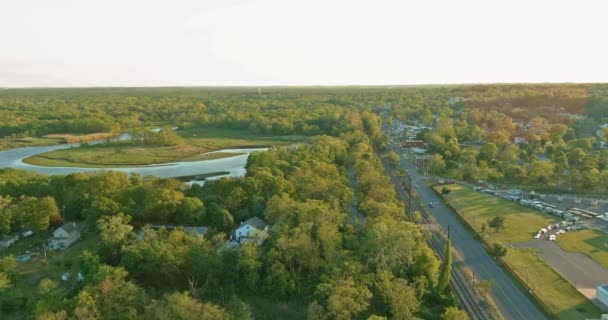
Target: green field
{"points": [[592, 243], [198, 142], [521, 223], [559, 296]]}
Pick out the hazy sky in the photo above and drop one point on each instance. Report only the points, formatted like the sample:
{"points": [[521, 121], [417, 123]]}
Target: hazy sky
{"points": [[306, 42]]}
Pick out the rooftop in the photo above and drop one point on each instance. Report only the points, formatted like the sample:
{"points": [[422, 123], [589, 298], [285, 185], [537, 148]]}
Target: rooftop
{"points": [[256, 223]]}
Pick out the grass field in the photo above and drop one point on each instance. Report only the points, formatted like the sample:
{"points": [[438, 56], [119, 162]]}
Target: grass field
{"points": [[521, 223], [592, 243], [197, 143]]}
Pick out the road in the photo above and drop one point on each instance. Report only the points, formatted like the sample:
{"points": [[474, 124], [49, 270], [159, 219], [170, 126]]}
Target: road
{"points": [[510, 298]]}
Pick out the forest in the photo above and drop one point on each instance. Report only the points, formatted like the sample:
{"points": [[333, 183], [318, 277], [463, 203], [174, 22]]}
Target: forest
{"points": [[340, 244], [317, 261]]}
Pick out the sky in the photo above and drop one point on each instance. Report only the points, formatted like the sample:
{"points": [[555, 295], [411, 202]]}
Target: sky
{"points": [[63, 43]]}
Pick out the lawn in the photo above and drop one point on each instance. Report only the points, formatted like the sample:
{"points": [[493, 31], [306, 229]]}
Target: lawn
{"points": [[198, 142], [592, 243], [556, 293], [521, 223]]}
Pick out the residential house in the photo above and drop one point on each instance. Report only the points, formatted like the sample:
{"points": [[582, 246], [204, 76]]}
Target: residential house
{"points": [[254, 230], [7, 241], [64, 236]]}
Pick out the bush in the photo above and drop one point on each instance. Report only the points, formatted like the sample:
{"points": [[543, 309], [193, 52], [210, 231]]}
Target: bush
{"points": [[445, 190], [500, 250]]}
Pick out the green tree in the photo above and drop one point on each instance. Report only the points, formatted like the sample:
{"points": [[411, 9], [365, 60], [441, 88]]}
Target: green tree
{"points": [[500, 250], [397, 295], [498, 222], [453, 313], [446, 268], [345, 298], [393, 158], [437, 165]]}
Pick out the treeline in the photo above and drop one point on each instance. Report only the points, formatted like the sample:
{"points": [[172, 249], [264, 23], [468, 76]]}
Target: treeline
{"points": [[313, 255], [279, 111]]}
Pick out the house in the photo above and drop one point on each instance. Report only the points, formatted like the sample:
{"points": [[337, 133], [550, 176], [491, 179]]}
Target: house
{"points": [[253, 230], [7, 241], [64, 236], [413, 144]]}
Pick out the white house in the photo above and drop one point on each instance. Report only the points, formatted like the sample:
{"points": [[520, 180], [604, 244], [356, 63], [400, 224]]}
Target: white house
{"points": [[64, 236], [7, 241], [252, 230]]}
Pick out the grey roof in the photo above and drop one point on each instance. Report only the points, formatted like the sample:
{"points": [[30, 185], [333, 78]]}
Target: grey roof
{"points": [[69, 227], [256, 223]]}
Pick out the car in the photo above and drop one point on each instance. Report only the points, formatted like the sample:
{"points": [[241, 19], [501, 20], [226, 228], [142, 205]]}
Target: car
{"points": [[543, 230], [537, 236], [430, 204], [552, 237]]}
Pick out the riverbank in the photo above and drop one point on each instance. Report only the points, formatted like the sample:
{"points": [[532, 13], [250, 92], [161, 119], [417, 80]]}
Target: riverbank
{"points": [[52, 139], [113, 156], [198, 145]]}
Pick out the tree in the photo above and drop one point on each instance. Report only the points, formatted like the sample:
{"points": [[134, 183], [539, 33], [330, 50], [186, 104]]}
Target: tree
{"points": [[249, 266], [315, 311], [437, 165], [181, 306], [190, 211], [453, 313], [500, 250], [498, 222], [488, 151], [37, 213], [114, 232], [393, 158], [397, 295], [345, 298], [446, 268]]}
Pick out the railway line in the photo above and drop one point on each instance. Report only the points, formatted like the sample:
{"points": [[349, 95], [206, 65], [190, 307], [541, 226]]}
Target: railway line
{"points": [[467, 296]]}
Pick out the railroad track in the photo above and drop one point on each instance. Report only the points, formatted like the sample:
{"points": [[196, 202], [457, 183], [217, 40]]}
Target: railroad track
{"points": [[467, 297]]}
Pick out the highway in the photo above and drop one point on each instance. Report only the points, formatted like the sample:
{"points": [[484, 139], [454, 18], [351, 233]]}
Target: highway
{"points": [[510, 298]]}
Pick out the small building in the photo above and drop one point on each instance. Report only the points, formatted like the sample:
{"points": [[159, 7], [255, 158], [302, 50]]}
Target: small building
{"points": [[7, 241], [413, 143], [64, 236], [602, 294], [253, 230]]}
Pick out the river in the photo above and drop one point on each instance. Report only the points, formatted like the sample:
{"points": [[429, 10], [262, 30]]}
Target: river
{"points": [[235, 166]]}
